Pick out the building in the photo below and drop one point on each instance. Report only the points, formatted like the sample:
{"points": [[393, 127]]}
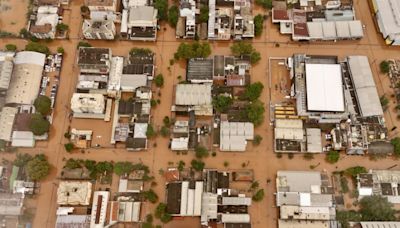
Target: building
{"points": [[11, 204], [100, 30], [305, 198], [184, 198], [26, 77], [193, 97], [85, 105], [102, 5], [379, 224], [74, 193], [45, 24], [125, 211], [186, 26], [385, 183], [132, 186], [6, 69], [7, 117], [387, 17], [76, 221], [81, 138], [139, 23], [180, 136], [200, 70], [93, 60], [234, 135], [289, 135], [99, 209]]}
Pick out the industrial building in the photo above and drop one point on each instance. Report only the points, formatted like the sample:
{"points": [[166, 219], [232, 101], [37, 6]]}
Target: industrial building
{"points": [[193, 97], [387, 17], [385, 183], [184, 198], [99, 209], [234, 135], [305, 199]]}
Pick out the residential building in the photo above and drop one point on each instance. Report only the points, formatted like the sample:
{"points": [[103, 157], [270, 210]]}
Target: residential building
{"points": [[193, 97], [45, 24], [78, 221], [101, 30], [102, 5], [86, 105], [93, 60], [385, 183], [186, 27], [125, 210], [81, 138], [180, 136], [234, 135], [387, 17], [139, 23], [305, 199], [74, 193]]}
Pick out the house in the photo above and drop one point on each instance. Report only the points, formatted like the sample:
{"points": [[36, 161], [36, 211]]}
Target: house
{"points": [[84, 105], [379, 224], [77, 221], [186, 27], [100, 30], [387, 16], [93, 60], [45, 24], [180, 136], [102, 5], [125, 211], [81, 138], [140, 23], [305, 198], [74, 193], [289, 135], [380, 182]]}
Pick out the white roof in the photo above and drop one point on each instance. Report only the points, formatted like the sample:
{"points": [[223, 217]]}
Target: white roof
{"points": [[140, 131], [365, 88], [324, 87], [329, 29], [380, 224], [181, 143], [7, 116], [191, 199], [233, 135], [388, 17], [130, 82], [193, 94], [315, 30], [236, 201], [100, 210], [365, 191], [23, 139], [314, 141], [235, 218], [356, 29], [342, 29], [74, 193], [142, 16]]}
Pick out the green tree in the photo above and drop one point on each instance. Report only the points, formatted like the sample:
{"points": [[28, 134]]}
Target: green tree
{"points": [[222, 103], [140, 51], [332, 156], [104, 167], [11, 47], [150, 133], [253, 91], [165, 218], [384, 102], [122, 168], [173, 15], [73, 164], [38, 124], [164, 131], [193, 50], [254, 112], [354, 171], [160, 210], [83, 44], [396, 143], [376, 208], [241, 48], [22, 159], [162, 7], [60, 50], [344, 217], [266, 4], [69, 147], [257, 140], [201, 152], [384, 66], [42, 104], [258, 24], [159, 80], [197, 165], [181, 165], [204, 12], [37, 47], [259, 195], [62, 27], [38, 168], [151, 196], [167, 121]]}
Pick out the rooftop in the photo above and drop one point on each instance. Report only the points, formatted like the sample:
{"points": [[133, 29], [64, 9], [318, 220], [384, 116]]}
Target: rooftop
{"points": [[74, 193], [99, 2], [199, 70], [92, 55]]}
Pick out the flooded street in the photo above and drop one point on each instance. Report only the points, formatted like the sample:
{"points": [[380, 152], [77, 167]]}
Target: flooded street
{"points": [[261, 158]]}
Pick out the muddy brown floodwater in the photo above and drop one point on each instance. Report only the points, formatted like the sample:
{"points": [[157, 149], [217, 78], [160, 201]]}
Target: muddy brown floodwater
{"points": [[13, 15], [261, 158]]}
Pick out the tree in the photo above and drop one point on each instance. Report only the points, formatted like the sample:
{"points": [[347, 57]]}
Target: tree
{"points": [[11, 47], [197, 165], [257, 140], [354, 171], [259, 195], [160, 210], [181, 165], [332, 156], [204, 14], [159, 80], [38, 168], [151, 196], [396, 143], [173, 15], [193, 50], [258, 24], [164, 131], [69, 147], [140, 51], [253, 91], [266, 4], [84, 10], [104, 167], [254, 112], [201, 152], [42, 104], [60, 50], [165, 218], [150, 133], [241, 48], [38, 124], [167, 121], [83, 44], [222, 103], [162, 7], [384, 66], [344, 217], [37, 47], [73, 164], [122, 168], [22, 159], [376, 208], [62, 27], [384, 102]]}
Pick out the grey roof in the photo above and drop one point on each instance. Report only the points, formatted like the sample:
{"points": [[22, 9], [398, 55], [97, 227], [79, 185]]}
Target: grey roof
{"points": [[314, 141], [6, 68], [193, 94], [387, 16], [380, 147], [200, 69], [342, 29], [11, 204], [367, 95], [141, 13], [297, 181], [132, 81], [380, 224], [75, 221]]}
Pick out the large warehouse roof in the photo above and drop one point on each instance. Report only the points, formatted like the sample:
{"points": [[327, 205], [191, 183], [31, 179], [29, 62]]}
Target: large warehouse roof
{"points": [[364, 85], [324, 87], [388, 17], [193, 94]]}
